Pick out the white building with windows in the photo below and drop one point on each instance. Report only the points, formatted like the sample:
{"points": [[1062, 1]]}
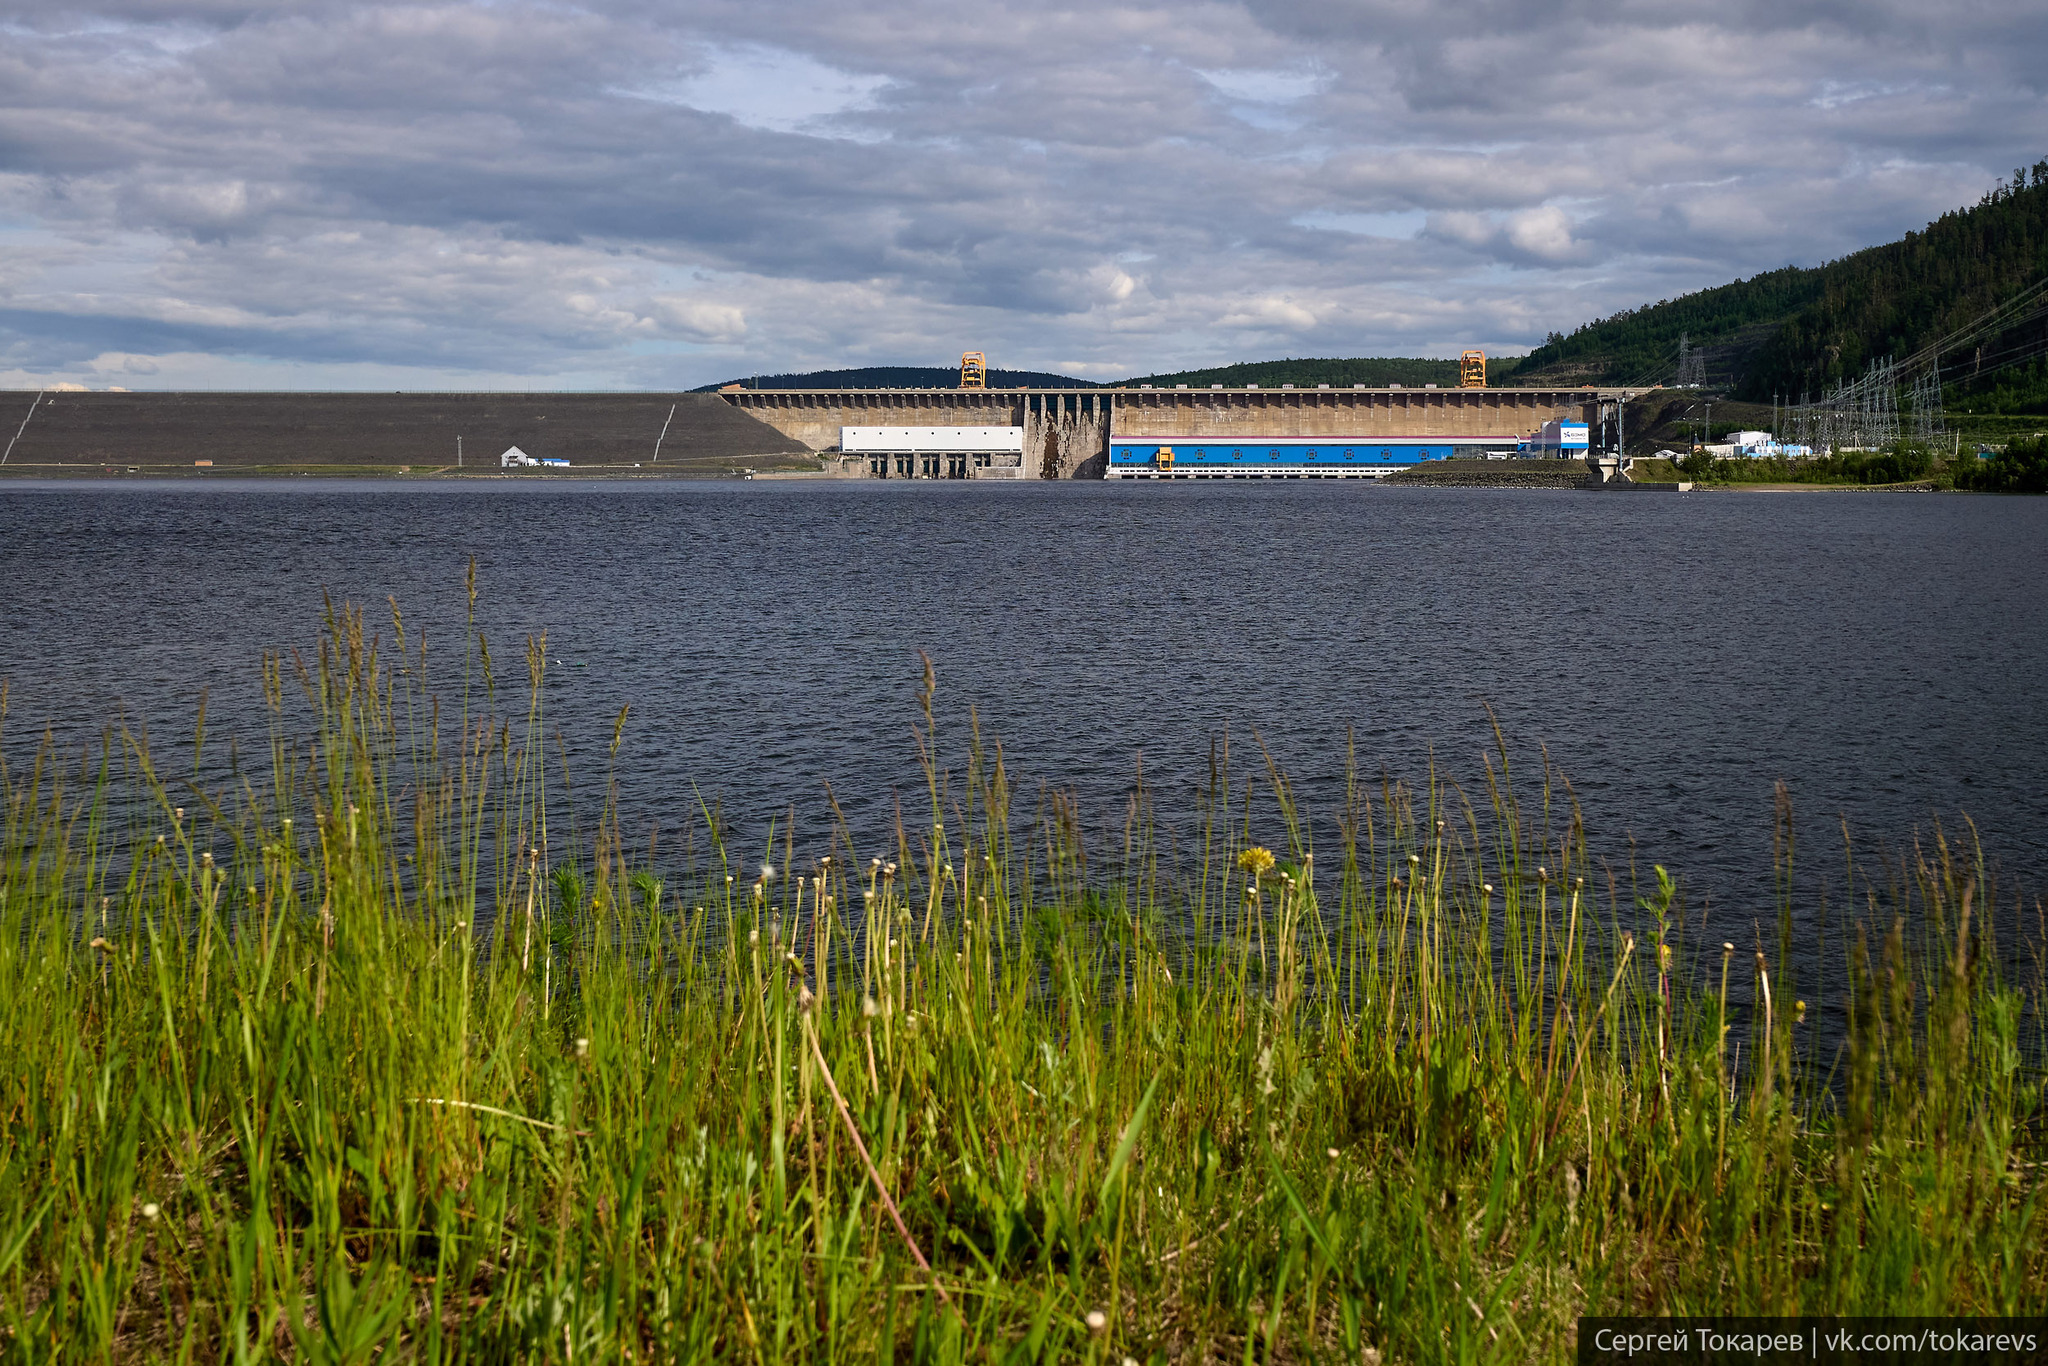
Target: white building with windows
{"points": [[936, 452]]}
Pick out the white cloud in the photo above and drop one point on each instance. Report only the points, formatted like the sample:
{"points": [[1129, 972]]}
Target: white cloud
{"points": [[1397, 225], [123, 363], [771, 87], [1112, 285], [701, 320], [1264, 87], [1545, 233], [1539, 236], [1271, 312], [1463, 227], [203, 207]]}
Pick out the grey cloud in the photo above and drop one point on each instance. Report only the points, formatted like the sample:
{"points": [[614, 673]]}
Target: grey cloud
{"points": [[524, 190]]}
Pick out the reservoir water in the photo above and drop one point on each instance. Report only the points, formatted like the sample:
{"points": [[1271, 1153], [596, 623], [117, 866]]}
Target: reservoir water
{"points": [[1677, 656]]}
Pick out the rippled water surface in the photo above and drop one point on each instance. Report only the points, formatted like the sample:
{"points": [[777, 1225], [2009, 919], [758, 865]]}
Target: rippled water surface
{"points": [[1882, 653]]}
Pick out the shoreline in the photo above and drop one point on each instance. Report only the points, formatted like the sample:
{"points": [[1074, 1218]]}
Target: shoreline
{"points": [[771, 471], [1910, 486], [437, 473]]}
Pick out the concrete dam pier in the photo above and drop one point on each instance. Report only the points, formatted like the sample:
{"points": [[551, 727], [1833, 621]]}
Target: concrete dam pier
{"points": [[1066, 431], [1190, 433]]}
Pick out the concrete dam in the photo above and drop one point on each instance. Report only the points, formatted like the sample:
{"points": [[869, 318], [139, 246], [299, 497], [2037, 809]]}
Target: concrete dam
{"points": [[1179, 433]]}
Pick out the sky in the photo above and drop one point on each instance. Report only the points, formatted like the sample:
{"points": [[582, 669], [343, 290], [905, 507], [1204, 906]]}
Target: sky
{"points": [[310, 195]]}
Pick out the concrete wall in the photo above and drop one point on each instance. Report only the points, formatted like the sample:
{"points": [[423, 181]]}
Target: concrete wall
{"points": [[1066, 436], [814, 417]]}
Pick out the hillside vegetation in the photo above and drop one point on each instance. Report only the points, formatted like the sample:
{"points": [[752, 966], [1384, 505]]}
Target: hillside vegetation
{"points": [[902, 377], [1794, 331], [1373, 370]]}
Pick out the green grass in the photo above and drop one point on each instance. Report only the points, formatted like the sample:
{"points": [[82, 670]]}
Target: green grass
{"points": [[361, 1057]]}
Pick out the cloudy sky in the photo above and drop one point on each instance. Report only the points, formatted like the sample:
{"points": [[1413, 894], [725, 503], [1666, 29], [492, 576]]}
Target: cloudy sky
{"points": [[303, 194]]}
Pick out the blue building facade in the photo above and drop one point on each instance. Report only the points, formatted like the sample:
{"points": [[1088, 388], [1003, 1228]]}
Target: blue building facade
{"points": [[1265, 458]]}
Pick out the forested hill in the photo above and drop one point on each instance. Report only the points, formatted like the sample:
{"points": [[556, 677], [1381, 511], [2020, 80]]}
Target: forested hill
{"points": [[1371, 370], [1363, 370], [1795, 330], [902, 377]]}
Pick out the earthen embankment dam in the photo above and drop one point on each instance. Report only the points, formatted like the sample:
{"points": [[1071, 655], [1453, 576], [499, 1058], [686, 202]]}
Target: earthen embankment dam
{"points": [[87, 433]]}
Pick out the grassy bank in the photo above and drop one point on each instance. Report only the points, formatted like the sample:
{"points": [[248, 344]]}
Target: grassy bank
{"points": [[361, 1055]]}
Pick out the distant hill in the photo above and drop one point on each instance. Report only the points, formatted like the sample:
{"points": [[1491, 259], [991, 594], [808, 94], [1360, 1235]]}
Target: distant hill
{"points": [[1369, 370], [1794, 330], [902, 377], [1375, 371]]}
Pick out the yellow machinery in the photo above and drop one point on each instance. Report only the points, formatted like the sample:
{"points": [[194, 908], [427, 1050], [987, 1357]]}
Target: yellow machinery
{"points": [[1166, 457], [1472, 370], [973, 370]]}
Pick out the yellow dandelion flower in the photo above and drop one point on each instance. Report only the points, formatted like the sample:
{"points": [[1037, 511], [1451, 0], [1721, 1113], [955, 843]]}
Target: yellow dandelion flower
{"points": [[1257, 860]]}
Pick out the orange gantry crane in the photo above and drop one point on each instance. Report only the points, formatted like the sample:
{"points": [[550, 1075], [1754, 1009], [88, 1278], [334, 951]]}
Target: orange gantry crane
{"points": [[1472, 370], [973, 370]]}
